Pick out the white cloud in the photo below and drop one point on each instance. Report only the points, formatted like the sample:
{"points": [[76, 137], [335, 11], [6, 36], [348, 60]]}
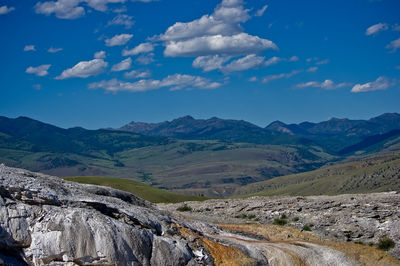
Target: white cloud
{"points": [[85, 69], [396, 27], [312, 69], [375, 29], [141, 48], [269, 78], [394, 45], [101, 5], [220, 33], [261, 11], [123, 65], [326, 85], [73, 9], [244, 63], [29, 48], [5, 10], [224, 21], [145, 59], [322, 62], [382, 83], [238, 44], [100, 55], [39, 71], [118, 40], [54, 50], [174, 82], [123, 20], [253, 79], [210, 62], [65, 9], [213, 62], [293, 59], [134, 74]]}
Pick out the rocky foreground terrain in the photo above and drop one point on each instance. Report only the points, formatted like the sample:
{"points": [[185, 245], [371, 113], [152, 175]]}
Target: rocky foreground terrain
{"points": [[45, 220]]}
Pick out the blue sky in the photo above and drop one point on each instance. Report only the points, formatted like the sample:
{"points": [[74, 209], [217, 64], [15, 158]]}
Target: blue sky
{"points": [[104, 63]]}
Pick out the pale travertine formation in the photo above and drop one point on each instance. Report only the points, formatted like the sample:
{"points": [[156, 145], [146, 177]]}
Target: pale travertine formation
{"points": [[45, 220]]}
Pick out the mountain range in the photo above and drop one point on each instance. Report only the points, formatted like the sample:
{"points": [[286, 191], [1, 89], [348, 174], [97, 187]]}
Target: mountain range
{"points": [[198, 156], [334, 135]]}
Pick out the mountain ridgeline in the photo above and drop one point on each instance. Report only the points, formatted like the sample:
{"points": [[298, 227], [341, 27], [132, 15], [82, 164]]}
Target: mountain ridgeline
{"points": [[335, 135]]}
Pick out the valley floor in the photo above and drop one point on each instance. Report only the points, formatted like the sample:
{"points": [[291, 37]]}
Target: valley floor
{"points": [[346, 227]]}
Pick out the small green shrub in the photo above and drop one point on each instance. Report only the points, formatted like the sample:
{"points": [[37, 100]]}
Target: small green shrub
{"points": [[306, 228], [280, 221], [385, 243], [184, 208], [296, 219], [251, 216]]}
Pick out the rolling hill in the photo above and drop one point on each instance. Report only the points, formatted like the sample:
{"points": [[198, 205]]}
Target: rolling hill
{"points": [[376, 174]]}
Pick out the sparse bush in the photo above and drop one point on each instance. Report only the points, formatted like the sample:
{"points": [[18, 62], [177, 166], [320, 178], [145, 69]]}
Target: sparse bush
{"points": [[296, 219], [280, 221], [184, 208], [251, 216], [306, 228], [385, 243]]}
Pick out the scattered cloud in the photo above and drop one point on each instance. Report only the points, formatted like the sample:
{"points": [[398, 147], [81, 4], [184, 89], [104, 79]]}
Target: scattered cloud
{"points": [[269, 78], [39, 71], [261, 11], [29, 48], [141, 48], [381, 83], [122, 20], [253, 79], [322, 62], [312, 69], [210, 62], [394, 45], [326, 85], [375, 29], [100, 55], [238, 44], [135, 74], [173, 82], [396, 27], [293, 59], [73, 9], [123, 65], [85, 69], [5, 10], [249, 62], [119, 40], [64, 9], [54, 50], [145, 59]]}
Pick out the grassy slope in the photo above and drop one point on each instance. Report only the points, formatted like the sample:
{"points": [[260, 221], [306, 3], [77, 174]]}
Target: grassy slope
{"points": [[139, 189], [369, 175], [198, 167]]}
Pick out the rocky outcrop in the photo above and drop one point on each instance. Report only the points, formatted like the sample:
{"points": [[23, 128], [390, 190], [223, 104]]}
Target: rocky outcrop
{"points": [[46, 220], [351, 218]]}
